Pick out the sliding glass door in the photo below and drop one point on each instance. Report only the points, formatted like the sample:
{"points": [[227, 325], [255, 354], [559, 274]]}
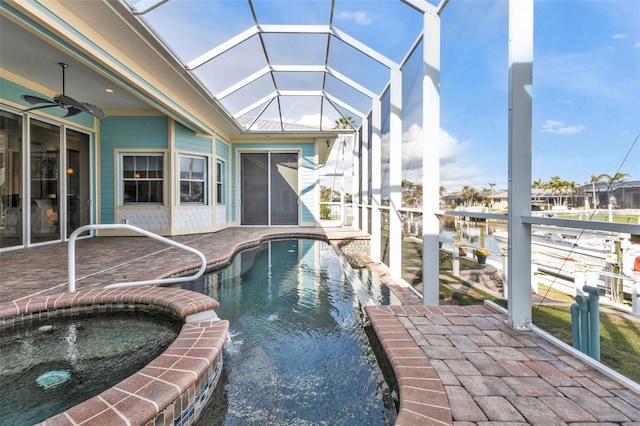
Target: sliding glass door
{"points": [[44, 172], [269, 194], [45, 180], [284, 188], [78, 173], [11, 188], [254, 177]]}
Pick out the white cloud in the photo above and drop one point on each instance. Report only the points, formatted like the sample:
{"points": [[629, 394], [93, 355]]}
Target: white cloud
{"points": [[637, 45], [450, 148], [314, 120], [309, 120], [559, 128], [619, 36], [456, 169], [360, 18]]}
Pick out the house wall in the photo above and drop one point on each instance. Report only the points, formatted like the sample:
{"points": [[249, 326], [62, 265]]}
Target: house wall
{"points": [[186, 140], [223, 153], [121, 134], [144, 133], [148, 134], [192, 218]]}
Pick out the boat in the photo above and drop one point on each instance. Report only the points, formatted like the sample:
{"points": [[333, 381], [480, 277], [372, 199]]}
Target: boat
{"points": [[558, 251]]}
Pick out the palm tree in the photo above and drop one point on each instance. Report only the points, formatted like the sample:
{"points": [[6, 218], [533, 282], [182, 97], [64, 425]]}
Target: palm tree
{"points": [[571, 187], [469, 195], [537, 184], [492, 185], [551, 186], [595, 180], [342, 123], [411, 194], [617, 177]]}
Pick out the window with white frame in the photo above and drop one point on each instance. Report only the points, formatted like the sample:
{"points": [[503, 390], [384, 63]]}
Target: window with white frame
{"points": [[193, 184], [142, 178], [220, 182]]}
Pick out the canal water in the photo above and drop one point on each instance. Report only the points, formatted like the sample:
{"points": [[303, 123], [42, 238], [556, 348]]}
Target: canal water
{"points": [[473, 234]]}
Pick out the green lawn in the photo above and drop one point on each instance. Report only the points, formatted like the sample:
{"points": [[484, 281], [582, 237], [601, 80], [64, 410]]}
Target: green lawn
{"points": [[619, 337], [602, 217], [412, 262]]}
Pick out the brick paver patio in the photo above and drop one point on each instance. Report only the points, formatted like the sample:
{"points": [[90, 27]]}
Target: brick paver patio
{"points": [[454, 365]]}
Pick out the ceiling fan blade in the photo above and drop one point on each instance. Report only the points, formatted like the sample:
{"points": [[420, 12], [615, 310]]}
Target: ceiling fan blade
{"points": [[72, 106], [95, 111], [73, 111], [42, 106], [35, 100], [69, 102]]}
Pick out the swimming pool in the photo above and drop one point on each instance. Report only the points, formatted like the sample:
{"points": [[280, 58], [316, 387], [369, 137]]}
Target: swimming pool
{"points": [[299, 351]]}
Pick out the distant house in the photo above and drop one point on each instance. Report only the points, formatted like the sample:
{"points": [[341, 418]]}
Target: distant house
{"points": [[624, 195], [499, 200]]}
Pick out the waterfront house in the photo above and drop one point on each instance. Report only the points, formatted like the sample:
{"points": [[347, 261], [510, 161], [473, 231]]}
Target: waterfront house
{"points": [[166, 156]]}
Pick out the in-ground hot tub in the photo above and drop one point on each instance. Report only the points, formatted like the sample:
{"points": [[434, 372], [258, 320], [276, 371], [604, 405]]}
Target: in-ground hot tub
{"points": [[172, 388]]}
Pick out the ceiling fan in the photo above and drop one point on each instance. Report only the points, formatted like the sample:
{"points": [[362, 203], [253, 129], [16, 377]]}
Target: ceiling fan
{"points": [[63, 101]]}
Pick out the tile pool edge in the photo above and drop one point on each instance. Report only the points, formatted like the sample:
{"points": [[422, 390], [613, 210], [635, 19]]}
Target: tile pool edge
{"points": [[423, 399], [174, 387]]}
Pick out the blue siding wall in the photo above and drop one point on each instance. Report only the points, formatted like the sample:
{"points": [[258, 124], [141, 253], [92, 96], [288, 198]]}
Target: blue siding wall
{"points": [[125, 132], [187, 140], [307, 175], [222, 152], [12, 92]]}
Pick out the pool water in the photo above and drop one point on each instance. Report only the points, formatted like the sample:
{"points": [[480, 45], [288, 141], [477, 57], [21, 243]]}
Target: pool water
{"points": [[50, 365], [299, 351]]}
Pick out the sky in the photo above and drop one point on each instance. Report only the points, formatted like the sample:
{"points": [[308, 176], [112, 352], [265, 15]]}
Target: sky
{"points": [[586, 93], [586, 82]]}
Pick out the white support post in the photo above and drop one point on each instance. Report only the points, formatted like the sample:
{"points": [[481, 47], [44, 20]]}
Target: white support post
{"points": [[455, 255], [365, 176], [520, 119], [343, 209], [356, 199], [376, 180], [505, 273], [635, 302], [534, 279], [395, 175], [591, 276], [431, 159], [579, 278]]}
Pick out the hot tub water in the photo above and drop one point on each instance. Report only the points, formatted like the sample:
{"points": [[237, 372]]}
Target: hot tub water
{"points": [[50, 365]]}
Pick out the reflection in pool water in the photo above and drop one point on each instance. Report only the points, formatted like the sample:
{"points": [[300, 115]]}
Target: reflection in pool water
{"points": [[299, 351], [50, 365]]}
